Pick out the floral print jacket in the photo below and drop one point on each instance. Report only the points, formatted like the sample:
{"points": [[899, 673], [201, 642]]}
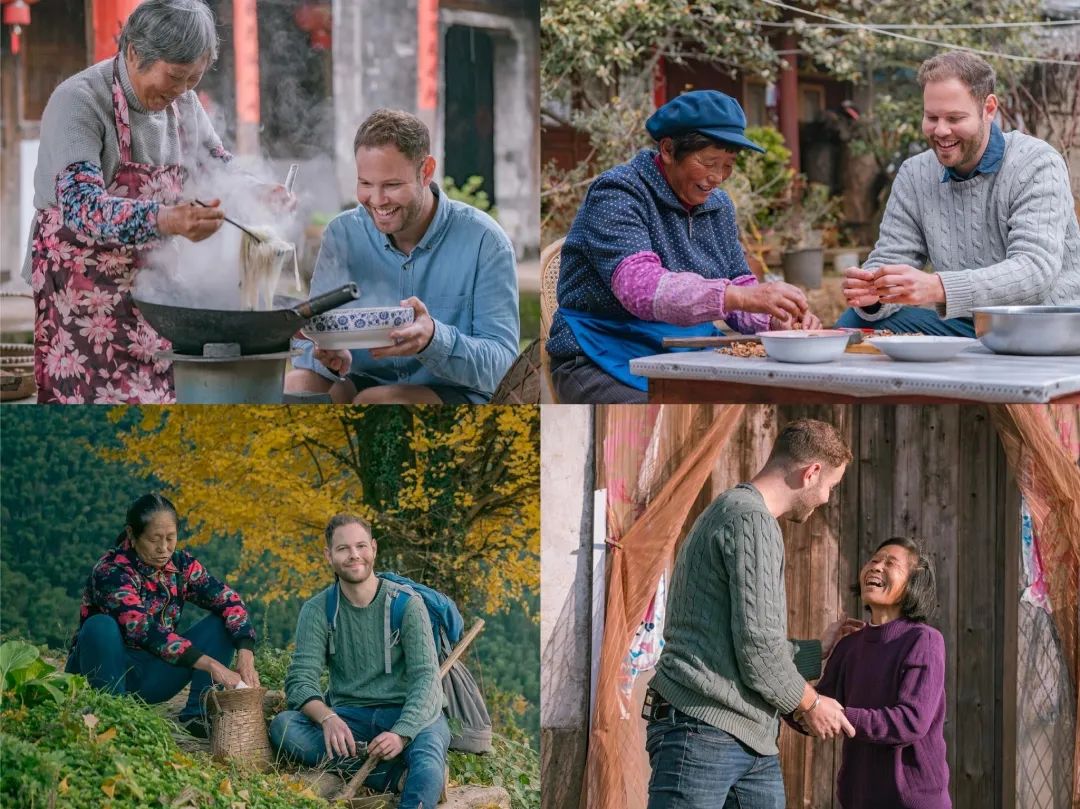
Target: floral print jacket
{"points": [[147, 602]]}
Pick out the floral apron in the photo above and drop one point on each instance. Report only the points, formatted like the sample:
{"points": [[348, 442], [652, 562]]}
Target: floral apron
{"points": [[91, 344]]}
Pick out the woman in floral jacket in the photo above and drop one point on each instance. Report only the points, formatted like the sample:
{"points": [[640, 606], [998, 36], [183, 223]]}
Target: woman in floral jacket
{"points": [[127, 640], [118, 142]]}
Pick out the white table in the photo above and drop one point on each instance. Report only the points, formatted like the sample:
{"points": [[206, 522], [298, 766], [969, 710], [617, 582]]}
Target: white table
{"points": [[974, 375]]}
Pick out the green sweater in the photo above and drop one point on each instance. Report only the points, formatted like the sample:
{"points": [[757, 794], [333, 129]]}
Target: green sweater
{"points": [[357, 669], [727, 660]]}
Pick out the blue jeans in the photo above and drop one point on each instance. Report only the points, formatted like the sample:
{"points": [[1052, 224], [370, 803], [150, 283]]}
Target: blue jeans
{"points": [[297, 737], [101, 656], [697, 766], [911, 319]]}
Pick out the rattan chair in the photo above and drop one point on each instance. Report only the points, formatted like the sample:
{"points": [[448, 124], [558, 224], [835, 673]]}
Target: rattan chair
{"points": [[549, 282]]}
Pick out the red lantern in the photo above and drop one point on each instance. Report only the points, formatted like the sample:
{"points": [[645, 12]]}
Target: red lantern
{"points": [[315, 19], [16, 14]]}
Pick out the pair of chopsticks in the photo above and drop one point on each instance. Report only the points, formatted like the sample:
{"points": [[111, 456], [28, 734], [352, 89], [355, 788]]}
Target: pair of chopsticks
{"points": [[289, 180]]}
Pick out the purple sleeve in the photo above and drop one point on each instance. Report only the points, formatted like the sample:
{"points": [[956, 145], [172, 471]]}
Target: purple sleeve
{"points": [[649, 291], [747, 322], [922, 685], [88, 209]]}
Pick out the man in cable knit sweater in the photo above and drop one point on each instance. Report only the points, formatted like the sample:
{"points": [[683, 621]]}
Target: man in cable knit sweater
{"points": [[397, 712], [728, 670], [991, 212]]}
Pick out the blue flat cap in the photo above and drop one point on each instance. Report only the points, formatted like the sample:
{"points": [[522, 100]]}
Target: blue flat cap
{"points": [[709, 112]]}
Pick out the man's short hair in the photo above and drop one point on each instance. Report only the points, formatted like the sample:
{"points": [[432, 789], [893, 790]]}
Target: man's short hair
{"points": [[396, 128], [807, 441], [974, 71], [345, 518]]}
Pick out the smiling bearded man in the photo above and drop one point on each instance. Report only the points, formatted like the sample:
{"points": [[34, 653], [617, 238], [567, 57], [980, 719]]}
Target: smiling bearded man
{"points": [[384, 688], [408, 242], [992, 213]]}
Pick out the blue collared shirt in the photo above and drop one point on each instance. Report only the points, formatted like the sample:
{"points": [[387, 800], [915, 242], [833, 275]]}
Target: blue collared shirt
{"points": [[990, 161], [463, 269]]}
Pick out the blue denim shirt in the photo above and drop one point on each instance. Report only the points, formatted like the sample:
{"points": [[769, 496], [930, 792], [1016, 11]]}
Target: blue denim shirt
{"points": [[989, 163], [463, 269]]}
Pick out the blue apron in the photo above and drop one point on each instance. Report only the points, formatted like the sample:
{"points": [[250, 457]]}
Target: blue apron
{"points": [[612, 343]]}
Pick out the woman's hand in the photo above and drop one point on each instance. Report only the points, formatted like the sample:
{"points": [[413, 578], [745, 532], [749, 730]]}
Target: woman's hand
{"points": [[245, 667], [840, 628], [783, 301], [808, 321], [189, 220], [219, 673]]}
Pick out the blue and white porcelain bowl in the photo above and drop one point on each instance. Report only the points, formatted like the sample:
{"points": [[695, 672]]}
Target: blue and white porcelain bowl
{"points": [[367, 327]]}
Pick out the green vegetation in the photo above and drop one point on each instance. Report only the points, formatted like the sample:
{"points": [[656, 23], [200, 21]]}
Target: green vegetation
{"points": [[62, 507]]}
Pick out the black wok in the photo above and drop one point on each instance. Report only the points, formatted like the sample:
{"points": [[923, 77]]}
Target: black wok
{"points": [[256, 332]]}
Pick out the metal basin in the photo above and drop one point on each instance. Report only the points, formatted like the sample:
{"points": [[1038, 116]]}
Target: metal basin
{"points": [[1029, 330]]}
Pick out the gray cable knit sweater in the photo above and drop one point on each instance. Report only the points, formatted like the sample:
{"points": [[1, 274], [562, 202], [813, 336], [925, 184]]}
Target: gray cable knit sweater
{"points": [[1007, 238], [727, 660]]}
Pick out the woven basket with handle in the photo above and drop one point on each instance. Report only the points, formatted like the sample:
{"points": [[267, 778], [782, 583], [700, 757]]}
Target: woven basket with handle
{"points": [[237, 726]]}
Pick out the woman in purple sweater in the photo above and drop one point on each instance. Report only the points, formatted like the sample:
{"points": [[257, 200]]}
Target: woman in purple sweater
{"points": [[890, 676]]}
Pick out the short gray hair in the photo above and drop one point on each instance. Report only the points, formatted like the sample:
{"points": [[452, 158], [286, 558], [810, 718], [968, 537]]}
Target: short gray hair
{"points": [[178, 32]]}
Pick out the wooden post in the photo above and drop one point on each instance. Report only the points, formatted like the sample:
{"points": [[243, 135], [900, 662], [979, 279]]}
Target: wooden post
{"points": [[427, 61], [789, 98], [246, 54], [109, 17]]}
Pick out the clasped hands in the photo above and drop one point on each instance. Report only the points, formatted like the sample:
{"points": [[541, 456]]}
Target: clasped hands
{"points": [[892, 283], [824, 717]]}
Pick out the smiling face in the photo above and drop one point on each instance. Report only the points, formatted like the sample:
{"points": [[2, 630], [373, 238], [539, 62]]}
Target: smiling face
{"points": [[883, 580], [956, 126], [351, 553], [817, 482], [161, 83], [156, 543], [391, 187], [697, 174]]}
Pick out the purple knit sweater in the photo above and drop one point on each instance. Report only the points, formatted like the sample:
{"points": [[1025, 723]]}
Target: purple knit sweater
{"points": [[891, 681]]}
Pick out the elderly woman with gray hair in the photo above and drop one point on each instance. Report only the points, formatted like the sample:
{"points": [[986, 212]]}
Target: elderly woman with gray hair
{"points": [[118, 142]]}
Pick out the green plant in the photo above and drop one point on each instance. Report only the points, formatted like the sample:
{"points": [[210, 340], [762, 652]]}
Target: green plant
{"points": [[766, 177], [812, 210], [29, 680], [511, 765], [471, 192]]}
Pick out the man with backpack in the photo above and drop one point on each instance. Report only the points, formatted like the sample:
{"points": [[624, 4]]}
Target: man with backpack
{"points": [[384, 688]]}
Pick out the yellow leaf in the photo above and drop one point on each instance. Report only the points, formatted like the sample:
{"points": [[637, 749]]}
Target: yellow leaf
{"points": [[225, 788], [107, 736], [63, 786], [109, 787]]}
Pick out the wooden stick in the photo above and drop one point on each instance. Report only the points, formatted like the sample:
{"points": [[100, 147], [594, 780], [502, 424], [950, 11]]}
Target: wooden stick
{"points": [[349, 792], [708, 342]]}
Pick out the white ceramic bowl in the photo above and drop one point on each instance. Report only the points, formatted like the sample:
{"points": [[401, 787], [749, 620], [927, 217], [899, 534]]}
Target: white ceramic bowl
{"points": [[365, 327], [921, 347], [817, 345]]}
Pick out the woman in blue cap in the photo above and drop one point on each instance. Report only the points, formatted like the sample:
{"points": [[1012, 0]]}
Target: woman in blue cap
{"points": [[654, 252]]}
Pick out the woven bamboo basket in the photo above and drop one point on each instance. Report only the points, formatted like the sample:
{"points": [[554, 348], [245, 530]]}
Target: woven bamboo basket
{"points": [[238, 728]]}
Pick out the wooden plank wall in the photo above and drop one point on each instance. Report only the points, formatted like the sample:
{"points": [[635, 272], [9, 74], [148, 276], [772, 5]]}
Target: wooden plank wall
{"points": [[936, 473]]}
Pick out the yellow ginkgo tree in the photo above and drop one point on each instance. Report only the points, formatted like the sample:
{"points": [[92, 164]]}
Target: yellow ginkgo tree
{"points": [[453, 493]]}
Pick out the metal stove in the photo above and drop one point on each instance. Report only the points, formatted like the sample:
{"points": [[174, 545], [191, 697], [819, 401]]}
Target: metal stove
{"points": [[223, 375]]}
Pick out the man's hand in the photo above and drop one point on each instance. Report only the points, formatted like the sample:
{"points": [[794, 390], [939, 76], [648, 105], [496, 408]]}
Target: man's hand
{"points": [[840, 628], [900, 283], [245, 667], [827, 719], [859, 287], [783, 301], [411, 339], [337, 361], [337, 737], [386, 745]]}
